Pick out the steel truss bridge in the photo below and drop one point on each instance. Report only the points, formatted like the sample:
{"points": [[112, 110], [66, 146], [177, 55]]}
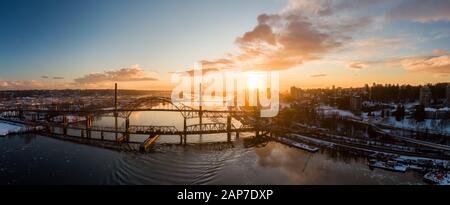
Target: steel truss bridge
{"points": [[57, 116]]}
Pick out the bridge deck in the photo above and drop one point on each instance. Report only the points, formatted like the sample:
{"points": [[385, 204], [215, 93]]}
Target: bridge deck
{"points": [[206, 128]]}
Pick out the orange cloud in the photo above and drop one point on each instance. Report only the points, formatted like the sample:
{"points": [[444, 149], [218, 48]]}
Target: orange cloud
{"points": [[357, 65], [376, 45], [304, 31], [134, 73], [437, 63], [319, 75], [20, 84], [296, 40]]}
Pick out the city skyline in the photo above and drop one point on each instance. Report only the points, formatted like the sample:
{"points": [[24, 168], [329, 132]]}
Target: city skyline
{"points": [[140, 44]]}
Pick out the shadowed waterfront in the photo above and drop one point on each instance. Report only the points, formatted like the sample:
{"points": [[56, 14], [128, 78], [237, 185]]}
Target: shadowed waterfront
{"points": [[35, 159]]}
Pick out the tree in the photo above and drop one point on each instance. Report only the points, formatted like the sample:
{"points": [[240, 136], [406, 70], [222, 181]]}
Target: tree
{"points": [[419, 113], [402, 110], [399, 112], [371, 132]]}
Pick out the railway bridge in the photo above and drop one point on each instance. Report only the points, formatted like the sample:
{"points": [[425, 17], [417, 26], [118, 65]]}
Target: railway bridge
{"points": [[56, 120]]}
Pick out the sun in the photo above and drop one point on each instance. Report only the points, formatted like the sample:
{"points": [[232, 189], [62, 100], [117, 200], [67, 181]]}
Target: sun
{"points": [[254, 81]]}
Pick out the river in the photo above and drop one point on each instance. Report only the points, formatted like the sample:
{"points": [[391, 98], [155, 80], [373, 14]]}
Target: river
{"points": [[36, 159]]}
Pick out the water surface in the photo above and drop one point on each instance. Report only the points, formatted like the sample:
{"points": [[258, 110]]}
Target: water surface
{"points": [[35, 159]]}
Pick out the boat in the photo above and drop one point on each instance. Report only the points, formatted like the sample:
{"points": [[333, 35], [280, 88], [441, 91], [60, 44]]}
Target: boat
{"points": [[389, 165], [299, 145], [437, 177]]}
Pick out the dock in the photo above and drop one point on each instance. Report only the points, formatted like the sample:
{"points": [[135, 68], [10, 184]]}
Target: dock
{"points": [[299, 145]]}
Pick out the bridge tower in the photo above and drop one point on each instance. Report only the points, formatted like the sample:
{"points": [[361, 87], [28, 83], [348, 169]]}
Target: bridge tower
{"points": [[257, 111], [65, 124], [200, 103], [115, 111], [200, 112]]}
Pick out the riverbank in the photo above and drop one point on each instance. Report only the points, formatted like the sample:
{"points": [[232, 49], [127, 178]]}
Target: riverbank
{"points": [[8, 127], [387, 160]]}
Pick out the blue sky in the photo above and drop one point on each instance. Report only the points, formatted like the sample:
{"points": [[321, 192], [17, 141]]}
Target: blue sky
{"points": [[65, 38], [73, 39]]}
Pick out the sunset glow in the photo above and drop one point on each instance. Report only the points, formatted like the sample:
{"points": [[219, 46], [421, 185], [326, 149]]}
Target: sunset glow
{"points": [[255, 81], [224, 92], [312, 43]]}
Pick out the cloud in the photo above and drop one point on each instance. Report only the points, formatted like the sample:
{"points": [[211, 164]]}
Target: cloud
{"points": [[439, 62], [94, 80], [330, 7], [54, 78], [215, 64], [440, 34], [373, 44], [357, 65], [134, 73], [421, 11], [303, 31], [20, 84], [440, 52], [195, 72], [286, 41], [319, 75]]}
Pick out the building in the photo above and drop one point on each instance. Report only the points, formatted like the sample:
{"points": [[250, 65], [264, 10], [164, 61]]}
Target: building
{"points": [[448, 95], [356, 103], [296, 93], [425, 96], [442, 113]]}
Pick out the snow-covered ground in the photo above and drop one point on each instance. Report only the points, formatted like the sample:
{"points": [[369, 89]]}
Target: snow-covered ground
{"points": [[6, 128], [437, 126], [332, 111], [432, 125], [444, 109], [439, 177]]}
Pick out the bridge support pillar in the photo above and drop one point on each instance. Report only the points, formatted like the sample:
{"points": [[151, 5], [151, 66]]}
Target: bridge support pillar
{"points": [[49, 129], [102, 135], [65, 123], [229, 128], [184, 130], [237, 135], [257, 122], [116, 125], [127, 129], [88, 126]]}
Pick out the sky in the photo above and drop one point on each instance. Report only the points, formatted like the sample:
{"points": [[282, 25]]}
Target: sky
{"points": [[57, 44]]}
